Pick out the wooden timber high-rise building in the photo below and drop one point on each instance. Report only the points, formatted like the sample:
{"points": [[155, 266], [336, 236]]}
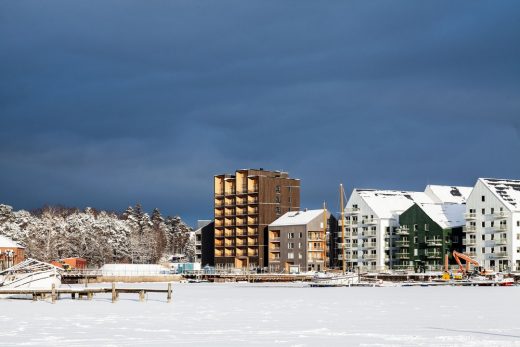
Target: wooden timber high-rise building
{"points": [[245, 204]]}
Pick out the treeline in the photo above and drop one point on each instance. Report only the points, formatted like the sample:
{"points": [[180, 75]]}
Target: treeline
{"points": [[55, 232]]}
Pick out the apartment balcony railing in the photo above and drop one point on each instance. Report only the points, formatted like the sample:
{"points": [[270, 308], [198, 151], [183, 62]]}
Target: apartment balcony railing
{"points": [[352, 210], [500, 241], [434, 242], [369, 245], [469, 229], [402, 231], [369, 233], [402, 256], [274, 249], [471, 254], [369, 221], [350, 222], [499, 255], [402, 243], [231, 192], [369, 256], [433, 255], [499, 215], [470, 216], [469, 242], [253, 189]]}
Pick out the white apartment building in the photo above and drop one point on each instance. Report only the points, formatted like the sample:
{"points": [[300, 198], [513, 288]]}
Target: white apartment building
{"points": [[372, 221], [493, 224]]}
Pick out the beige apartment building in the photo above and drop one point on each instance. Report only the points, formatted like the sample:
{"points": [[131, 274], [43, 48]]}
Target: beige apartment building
{"points": [[246, 202]]}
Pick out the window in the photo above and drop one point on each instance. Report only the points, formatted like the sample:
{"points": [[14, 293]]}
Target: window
{"points": [[300, 256], [290, 255], [415, 239], [426, 227], [299, 245], [483, 211], [290, 245], [290, 235], [517, 249], [518, 223], [278, 210], [483, 224], [483, 237], [483, 249], [301, 235], [277, 199], [492, 210], [277, 189], [483, 198], [415, 227]]}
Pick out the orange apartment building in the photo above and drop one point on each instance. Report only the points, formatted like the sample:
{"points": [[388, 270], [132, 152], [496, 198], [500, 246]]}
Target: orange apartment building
{"points": [[245, 204]]}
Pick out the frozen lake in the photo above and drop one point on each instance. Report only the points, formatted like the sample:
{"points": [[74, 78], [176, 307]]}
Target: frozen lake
{"points": [[246, 314]]}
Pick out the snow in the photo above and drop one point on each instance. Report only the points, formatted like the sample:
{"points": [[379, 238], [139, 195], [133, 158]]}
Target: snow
{"points": [[508, 191], [446, 215], [389, 203], [132, 269], [297, 218], [265, 315], [448, 194], [6, 242]]}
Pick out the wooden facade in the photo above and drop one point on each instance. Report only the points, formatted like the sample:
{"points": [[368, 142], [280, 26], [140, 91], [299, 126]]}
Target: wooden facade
{"points": [[245, 204]]}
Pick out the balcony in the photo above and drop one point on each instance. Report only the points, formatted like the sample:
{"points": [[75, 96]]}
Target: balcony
{"points": [[368, 245], [369, 233], [471, 254], [402, 256], [434, 243], [469, 242], [403, 243], [501, 241], [470, 216], [499, 255], [369, 256], [369, 221], [274, 249], [470, 229], [350, 222], [433, 255], [352, 210], [402, 231], [500, 215]]}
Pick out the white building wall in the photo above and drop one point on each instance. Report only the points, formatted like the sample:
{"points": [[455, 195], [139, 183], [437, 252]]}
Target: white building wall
{"points": [[370, 255], [489, 252]]}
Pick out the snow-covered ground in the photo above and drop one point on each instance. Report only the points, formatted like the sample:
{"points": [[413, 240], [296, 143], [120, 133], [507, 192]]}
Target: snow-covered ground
{"points": [[249, 314]]}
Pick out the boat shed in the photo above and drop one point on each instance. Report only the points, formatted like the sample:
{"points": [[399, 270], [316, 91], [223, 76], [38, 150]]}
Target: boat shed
{"points": [[11, 253]]}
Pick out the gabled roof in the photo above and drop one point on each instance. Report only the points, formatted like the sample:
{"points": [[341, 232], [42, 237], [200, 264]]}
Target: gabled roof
{"points": [[389, 203], [446, 215], [508, 191], [448, 194], [296, 218], [6, 242]]}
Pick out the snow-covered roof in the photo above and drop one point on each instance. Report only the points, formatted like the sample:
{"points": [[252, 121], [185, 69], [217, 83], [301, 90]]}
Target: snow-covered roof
{"points": [[6, 242], [296, 218], [508, 191], [446, 215], [448, 194], [132, 269], [389, 203]]}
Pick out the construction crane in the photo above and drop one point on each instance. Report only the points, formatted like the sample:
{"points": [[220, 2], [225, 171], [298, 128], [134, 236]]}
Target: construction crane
{"points": [[458, 256]]}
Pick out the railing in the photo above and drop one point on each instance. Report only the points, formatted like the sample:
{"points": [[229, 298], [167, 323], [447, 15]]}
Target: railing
{"points": [[499, 215], [352, 210], [471, 215], [500, 241], [369, 233], [469, 242], [369, 245], [500, 254], [402, 255], [470, 229], [402, 243], [369, 221], [434, 242], [402, 231], [433, 255]]}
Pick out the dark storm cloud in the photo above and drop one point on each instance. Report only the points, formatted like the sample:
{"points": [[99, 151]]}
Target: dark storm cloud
{"points": [[106, 103]]}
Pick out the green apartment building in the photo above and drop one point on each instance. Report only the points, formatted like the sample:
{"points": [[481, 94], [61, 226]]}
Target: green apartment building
{"points": [[427, 232]]}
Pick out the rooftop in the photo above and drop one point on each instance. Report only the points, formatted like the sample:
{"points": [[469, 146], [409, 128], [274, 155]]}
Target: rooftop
{"points": [[447, 215], [6, 242], [389, 203], [507, 190], [448, 194], [297, 218]]}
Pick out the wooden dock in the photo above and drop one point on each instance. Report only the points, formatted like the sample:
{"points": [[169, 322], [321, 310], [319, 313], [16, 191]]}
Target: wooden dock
{"points": [[79, 293]]}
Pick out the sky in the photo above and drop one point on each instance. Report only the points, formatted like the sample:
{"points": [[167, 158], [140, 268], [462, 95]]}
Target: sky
{"points": [[112, 103]]}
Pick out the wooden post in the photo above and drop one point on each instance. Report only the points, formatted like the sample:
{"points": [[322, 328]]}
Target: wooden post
{"points": [[73, 296], [90, 295], [169, 295], [35, 296], [141, 295], [114, 297], [53, 294]]}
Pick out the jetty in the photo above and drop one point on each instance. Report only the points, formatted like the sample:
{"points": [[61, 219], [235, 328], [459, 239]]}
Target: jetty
{"points": [[86, 292]]}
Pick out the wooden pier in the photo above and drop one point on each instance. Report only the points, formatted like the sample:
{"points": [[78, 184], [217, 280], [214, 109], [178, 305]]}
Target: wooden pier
{"points": [[79, 293]]}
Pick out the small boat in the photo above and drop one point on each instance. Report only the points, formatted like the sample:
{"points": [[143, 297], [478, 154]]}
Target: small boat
{"points": [[30, 274], [334, 280]]}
